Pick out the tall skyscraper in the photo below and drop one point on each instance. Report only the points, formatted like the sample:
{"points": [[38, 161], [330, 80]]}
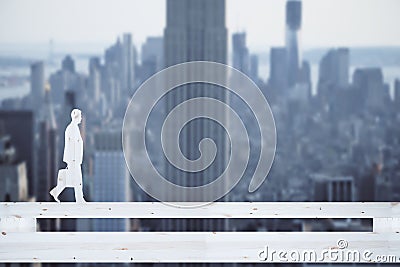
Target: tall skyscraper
{"points": [[37, 84], [19, 126], [195, 30], [111, 76], [111, 177], [128, 64], [48, 156], [278, 68], [241, 59], [293, 25], [397, 93], [48, 150], [94, 80]]}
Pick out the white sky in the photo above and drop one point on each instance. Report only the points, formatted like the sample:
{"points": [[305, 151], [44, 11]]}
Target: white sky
{"points": [[325, 22]]}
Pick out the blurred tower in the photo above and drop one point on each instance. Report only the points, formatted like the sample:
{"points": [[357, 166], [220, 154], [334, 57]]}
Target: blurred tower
{"points": [[111, 77], [111, 177], [152, 57], [37, 85], [153, 48], [128, 63], [48, 150], [253, 70], [48, 156], [19, 126], [334, 69], [241, 59], [278, 68], [397, 93], [13, 181], [64, 80], [293, 25], [68, 64], [373, 92], [50, 59], [94, 81], [195, 30]]}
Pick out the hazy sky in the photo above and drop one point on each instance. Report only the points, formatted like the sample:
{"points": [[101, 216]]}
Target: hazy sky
{"points": [[325, 22]]}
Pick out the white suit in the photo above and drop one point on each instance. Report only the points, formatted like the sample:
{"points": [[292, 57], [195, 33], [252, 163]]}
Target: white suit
{"points": [[73, 155]]}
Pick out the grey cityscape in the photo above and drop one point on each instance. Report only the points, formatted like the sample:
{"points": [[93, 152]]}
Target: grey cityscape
{"points": [[336, 109]]}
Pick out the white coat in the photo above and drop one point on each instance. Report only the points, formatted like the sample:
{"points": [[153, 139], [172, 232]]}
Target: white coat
{"points": [[73, 155]]}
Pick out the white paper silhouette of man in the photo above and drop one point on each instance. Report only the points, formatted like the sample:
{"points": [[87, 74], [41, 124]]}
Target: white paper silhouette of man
{"points": [[73, 154]]}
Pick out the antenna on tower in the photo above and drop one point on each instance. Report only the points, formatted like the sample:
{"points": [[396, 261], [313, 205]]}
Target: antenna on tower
{"points": [[51, 52]]}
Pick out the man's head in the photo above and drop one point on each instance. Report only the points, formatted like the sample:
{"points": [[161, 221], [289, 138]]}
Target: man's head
{"points": [[76, 115]]}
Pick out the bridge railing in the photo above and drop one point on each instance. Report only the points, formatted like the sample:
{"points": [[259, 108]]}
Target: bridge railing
{"points": [[20, 242]]}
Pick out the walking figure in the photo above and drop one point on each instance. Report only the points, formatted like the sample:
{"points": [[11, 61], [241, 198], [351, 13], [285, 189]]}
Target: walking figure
{"points": [[73, 154]]}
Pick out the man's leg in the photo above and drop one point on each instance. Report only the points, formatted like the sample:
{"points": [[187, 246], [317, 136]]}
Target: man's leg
{"points": [[78, 188], [56, 191], [79, 194]]}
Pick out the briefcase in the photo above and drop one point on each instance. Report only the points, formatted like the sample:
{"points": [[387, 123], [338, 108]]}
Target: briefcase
{"points": [[64, 178]]}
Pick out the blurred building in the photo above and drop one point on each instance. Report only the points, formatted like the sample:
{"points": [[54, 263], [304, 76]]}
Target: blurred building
{"points": [[19, 126], [65, 79], [68, 64], [293, 25], [152, 57], [118, 77], [253, 70], [241, 57], [111, 76], [397, 93], [13, 179], [48, 150], [128, 64], [110, 177], [195, 30], [373, 93], [334, 70], [94, 80], [333, 188], [278, 68], [37, 84]]}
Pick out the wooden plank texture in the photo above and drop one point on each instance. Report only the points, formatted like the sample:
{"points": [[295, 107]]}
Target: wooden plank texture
{"points": [[193, 246], [213, 210]]}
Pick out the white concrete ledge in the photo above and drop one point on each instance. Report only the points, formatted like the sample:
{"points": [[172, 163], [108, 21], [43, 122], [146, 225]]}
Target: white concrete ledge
{"points": [[193, 246], [214, 210]]}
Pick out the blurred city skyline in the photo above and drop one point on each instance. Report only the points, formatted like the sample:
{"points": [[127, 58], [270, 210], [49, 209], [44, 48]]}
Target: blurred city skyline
{"points": [[350, 23], [336, 108]]}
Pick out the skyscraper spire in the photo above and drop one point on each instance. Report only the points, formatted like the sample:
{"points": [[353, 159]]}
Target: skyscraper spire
{"points": [[293, 25]]}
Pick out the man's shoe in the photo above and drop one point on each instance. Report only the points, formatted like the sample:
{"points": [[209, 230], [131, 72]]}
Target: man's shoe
{"points": [[81, 201], [54, 196]]}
